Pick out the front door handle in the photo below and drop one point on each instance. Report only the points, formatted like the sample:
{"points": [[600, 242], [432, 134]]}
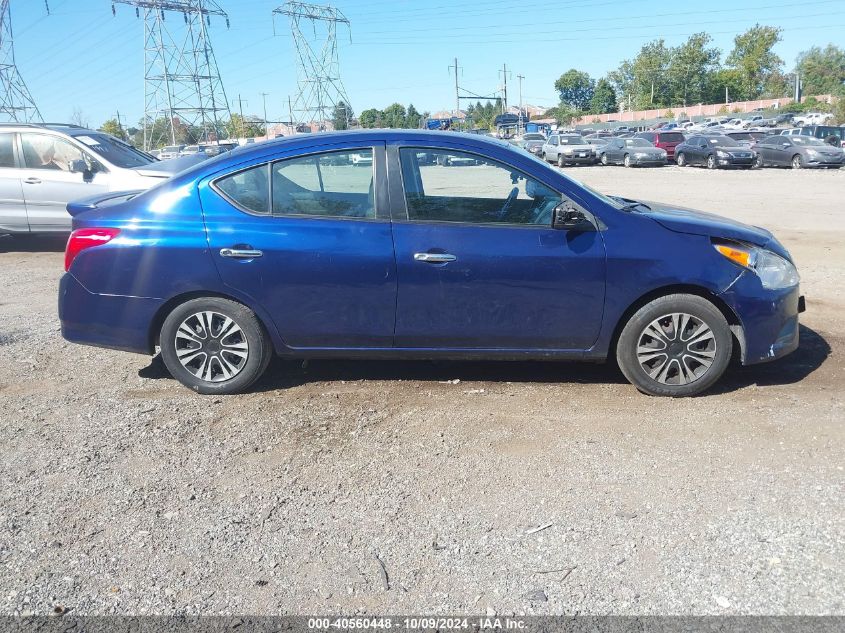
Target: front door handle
{"points": [[434, 258], [240, 253], [33, 181]]}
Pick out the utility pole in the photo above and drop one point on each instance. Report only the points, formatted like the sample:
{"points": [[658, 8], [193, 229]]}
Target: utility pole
{"points": [[457, 90], [16, 103], [290, 113], [182, 82], [504, 72], [520, 77], [264, 100], [241, 110], [120, 125]]}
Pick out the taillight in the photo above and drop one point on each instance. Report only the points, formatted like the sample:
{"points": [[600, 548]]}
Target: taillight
{"points": [[81, 239]]}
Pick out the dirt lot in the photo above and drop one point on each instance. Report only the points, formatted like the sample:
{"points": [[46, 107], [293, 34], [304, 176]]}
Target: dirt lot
{"points": [[122, 492]]}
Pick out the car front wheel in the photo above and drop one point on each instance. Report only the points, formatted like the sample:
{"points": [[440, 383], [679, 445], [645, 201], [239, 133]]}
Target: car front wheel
{"points": [[677, 345], [711, 162], [603, 159], [560, 162], [797, 163], [627, 160], [214, 345], [681, 160]]}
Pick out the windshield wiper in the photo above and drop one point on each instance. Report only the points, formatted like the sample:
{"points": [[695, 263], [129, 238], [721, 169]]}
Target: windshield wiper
{"points": [[634, 205]]}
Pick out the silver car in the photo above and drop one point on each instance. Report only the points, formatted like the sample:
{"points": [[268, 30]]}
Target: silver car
{"points": [[566, 149], [631, 152], [43, 167]]}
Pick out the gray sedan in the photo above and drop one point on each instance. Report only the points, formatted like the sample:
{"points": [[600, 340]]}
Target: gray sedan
{"points": [[565, 149], [798, 152], [533, 143], [631, 152]]}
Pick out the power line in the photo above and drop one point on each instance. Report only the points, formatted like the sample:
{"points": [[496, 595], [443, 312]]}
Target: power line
{"points": [[16, 102]]}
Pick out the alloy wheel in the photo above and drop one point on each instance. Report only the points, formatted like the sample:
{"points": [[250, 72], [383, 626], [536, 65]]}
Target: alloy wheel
{"points": [[560, 162], [604, 159], [681, 160], [796, 162], [211, 346], [676, 349], [711, 162]]}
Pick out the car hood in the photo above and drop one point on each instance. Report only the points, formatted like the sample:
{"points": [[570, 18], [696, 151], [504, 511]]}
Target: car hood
{"points": [[683, 220], [577, 148]]}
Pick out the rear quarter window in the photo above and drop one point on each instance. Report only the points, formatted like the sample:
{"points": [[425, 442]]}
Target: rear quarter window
{"points": [[248, 189]]}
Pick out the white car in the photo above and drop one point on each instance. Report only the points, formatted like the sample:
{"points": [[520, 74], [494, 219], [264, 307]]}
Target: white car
{"points": [[44, 167], [362, 159], [812, 118]]}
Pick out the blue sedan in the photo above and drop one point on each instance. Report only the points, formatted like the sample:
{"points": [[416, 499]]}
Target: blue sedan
{"points": [[415, 244]]}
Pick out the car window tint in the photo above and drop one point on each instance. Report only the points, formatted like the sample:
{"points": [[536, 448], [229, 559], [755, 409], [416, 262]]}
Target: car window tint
{"points": [[43, 151], [334, 184], [7, 150], [452, 186], [248, 188]]}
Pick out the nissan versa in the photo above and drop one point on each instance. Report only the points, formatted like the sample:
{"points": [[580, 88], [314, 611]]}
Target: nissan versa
{"points": [[292, 247]]}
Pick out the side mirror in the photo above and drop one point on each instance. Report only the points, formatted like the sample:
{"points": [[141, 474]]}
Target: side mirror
{"points": [[568, 218], [78, 166], [786, 144]]}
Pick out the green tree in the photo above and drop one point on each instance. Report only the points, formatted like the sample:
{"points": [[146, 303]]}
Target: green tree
{"points": [[724, 79], [575, 89], [341, 116], [604, 98], [113, 127], [412, 117], [644, 82], [244, 127], [822, 70], [394, 115], [691, 69], [563, 113], [754, 59], [370, 118]]}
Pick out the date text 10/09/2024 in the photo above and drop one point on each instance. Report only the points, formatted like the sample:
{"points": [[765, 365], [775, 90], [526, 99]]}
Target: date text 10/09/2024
{"points": [[412, 623]]}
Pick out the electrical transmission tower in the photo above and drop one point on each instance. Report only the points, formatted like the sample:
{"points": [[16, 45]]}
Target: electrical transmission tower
{"points": [[319, 88], [16, 103], [183, 94]]}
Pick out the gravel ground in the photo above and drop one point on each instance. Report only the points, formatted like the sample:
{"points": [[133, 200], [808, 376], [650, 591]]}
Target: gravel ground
{"points": [[479, 487]]}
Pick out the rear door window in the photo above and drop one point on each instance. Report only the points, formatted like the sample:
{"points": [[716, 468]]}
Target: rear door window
{"points": [[7, 150], [671, 137]]}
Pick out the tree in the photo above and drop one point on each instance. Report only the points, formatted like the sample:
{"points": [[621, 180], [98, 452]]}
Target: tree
{"points": [[822, 70], [644, 82], [754, 59], [244, 127], [341, 115], [563, 113], [575, 89], [370, 118], [691, 69], [113, 127], [394, 115], [604, 98], [412, 118]]}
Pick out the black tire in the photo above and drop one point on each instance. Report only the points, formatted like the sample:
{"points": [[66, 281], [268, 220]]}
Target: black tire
{"points": [[627, 161], [797, 162], [758, 162], [661, 311], [251, 334], [681, 160], [603, 159], [711, 162], [560, 162]]}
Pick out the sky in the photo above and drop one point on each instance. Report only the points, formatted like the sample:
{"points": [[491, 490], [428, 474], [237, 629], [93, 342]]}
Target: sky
{"points": [[81, 57]]}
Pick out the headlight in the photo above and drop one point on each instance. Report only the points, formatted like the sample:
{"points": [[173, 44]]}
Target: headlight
{"points": [[812, 153], [774, 271], [567, 150], [722, 154]]}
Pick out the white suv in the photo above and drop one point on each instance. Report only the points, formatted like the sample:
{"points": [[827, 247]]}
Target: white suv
{"points": [[43, 167]]}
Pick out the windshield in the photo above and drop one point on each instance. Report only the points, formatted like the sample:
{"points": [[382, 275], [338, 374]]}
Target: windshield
{"points": [[571, 140], [533, 137], [723, 141], [637, 142], [741, 136], [114, 151], [807, 140]]}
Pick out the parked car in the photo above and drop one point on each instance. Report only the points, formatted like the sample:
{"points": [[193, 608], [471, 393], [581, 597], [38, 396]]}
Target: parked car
{"points": [[825, 133], [170, 151], [631, 152], [568, 149], [364, 159], [533, 143], [798, 152], [746, 139], [665, 140], [784, 117], [812, 118], [512, 259], [714, 151], [43, 167]]}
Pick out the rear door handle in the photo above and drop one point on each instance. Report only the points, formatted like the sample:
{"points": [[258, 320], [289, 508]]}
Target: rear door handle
{"points": [[434, 258], [240, 253], [33, 181]]}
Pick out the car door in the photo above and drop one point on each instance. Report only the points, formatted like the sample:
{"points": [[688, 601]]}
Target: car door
{"points": [[781, 152], [554, 148], [48, 182], [12, 206], [479, 265], [618, 151], [307, 239]]}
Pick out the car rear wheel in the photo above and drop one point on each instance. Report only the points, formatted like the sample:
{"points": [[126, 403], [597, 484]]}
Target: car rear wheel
{"points": [[603, 159], [681, 160], [711, 162], [758, 162], [214, 345], [797, 163], [627, 160], [677, 345]]}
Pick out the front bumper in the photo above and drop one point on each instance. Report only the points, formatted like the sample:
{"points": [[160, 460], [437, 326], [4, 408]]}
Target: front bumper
{"points": [[111, 321], [769, 318], [735, 162], [648, 162], [577, 158]]}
